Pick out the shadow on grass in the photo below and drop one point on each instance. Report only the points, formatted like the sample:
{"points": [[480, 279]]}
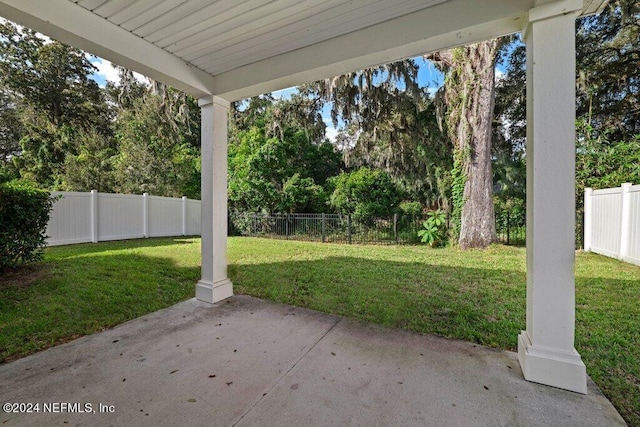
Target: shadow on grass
{"points": [[115, 245]]}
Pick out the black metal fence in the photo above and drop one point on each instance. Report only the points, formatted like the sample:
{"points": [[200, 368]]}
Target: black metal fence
{"points": [[511, 226], [334, 228]]}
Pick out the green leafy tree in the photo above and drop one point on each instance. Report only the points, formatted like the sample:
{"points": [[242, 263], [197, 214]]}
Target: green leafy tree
{"points": [[92, 167], [390, 124], [601, 165], [51, 77], [154, 156], [10, 126], [303, 195], [279, 160], [510, 112], [256, 170], [608, 80], [44, 147], [10, 131], [55, 98], [509, 137], [509, 176], [277, 175], [608, 60], [365, 194]]}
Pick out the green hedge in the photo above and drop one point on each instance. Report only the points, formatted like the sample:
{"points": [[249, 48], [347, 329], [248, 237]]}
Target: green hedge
{"points": [[24, 213]]}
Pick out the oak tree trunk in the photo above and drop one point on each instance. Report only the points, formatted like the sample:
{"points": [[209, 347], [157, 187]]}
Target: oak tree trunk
{"points": [[469, 99]]}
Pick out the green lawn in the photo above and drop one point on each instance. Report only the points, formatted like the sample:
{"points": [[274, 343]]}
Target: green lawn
{"points": [[476, 296]]}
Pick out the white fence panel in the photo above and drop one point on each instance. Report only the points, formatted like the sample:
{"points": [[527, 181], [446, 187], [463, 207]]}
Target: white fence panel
{"points": [[93, 217], [120, 216], [605, 237], [612, 222], [70, 220], [164, 216], [633, 252], [192, 218]]}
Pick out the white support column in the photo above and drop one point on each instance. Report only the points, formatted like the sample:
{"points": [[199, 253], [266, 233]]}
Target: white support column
{"points": [[546, 349], [214, 285], [588, 218]]}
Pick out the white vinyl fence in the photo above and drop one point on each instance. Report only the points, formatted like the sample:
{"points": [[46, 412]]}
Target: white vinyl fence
{"points": [[94, 217], [612, 222]]}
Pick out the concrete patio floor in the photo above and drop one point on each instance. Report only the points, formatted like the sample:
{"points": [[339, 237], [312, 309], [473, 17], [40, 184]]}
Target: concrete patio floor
{"points": [[249, 362]]}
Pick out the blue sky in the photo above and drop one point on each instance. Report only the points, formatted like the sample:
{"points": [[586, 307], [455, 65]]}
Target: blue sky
{"points": [[428, 75], [107, 72]]}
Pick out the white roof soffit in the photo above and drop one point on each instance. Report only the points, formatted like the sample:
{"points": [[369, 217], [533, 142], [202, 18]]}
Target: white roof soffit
{"points": [[236, 49]]}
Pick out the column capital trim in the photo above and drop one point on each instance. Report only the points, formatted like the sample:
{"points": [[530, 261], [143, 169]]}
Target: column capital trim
{"points": [[206, 100], [551, 10]]}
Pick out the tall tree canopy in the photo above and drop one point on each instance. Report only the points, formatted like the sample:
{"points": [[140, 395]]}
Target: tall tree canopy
{"points": [[60, 130], [10, 132], [390, 124], [49, 85], [608, 60], [608, 95], [157, 132], [279, 160], [51, 77]]}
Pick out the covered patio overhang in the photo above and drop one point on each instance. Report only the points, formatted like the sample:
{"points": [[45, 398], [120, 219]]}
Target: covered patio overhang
{"points": [[225, 50]]}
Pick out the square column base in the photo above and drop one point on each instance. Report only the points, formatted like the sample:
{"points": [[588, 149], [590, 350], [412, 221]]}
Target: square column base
{"points": [[551, 367], [214, 292]]}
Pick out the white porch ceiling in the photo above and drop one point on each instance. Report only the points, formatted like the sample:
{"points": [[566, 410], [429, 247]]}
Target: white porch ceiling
{"points": [[235, 49]]}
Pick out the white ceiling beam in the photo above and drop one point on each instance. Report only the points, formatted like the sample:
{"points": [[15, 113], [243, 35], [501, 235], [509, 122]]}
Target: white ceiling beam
{"points": [[305, 31], [71, 24], [592, 7], [445, 25], [450, 24]]}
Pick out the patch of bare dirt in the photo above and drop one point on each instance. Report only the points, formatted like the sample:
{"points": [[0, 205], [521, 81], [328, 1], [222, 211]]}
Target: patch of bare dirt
{"points": [[24, 276]]}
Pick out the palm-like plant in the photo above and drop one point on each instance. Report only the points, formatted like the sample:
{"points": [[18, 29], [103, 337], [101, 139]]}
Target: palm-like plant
{"points": [[434, 229]]}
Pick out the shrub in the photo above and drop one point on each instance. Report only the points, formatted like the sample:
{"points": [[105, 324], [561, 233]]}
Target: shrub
{"points": [[411, 209], [24, 213], [365, 194], [434, 229]]}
